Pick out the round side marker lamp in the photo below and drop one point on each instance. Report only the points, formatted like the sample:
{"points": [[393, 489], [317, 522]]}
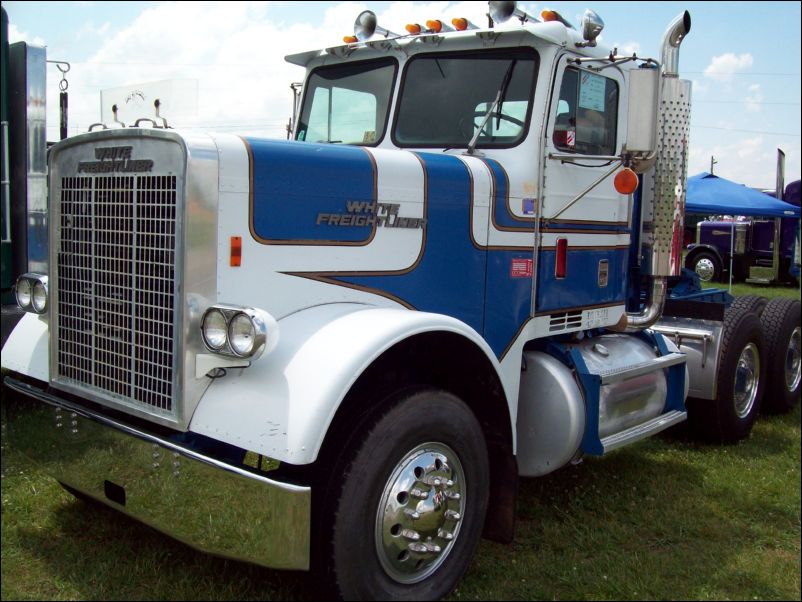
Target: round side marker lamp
{"points": [[413, 28], [626, 181]]}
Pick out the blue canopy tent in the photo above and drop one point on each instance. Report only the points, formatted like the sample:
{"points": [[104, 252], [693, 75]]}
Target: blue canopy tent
{"points": [[710, 195]]}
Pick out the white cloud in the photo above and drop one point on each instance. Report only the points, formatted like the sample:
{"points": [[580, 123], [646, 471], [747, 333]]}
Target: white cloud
{"points": [[754, 98], [15, 35], [723, 67]]}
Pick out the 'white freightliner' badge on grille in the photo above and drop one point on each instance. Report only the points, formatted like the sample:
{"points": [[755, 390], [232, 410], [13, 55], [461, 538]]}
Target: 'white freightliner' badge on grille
{"points": [[115, 159]]}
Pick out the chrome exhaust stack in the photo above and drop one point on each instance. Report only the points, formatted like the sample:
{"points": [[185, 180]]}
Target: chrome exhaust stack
{"points": [[663, 215]]}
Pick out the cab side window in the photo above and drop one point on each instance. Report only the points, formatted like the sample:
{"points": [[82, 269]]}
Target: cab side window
{"points": [[587, 114]]}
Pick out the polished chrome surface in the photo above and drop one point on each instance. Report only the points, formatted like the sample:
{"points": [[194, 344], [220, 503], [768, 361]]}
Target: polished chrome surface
{"points": [[700, 341], [551, 415], [652, 311], [116, 291], [705, 269], [211, 505], [127, 285], [672, 38], [792, 361], [592, 26], [747, 380], [419, 515], [633, 381], [642, 431]]}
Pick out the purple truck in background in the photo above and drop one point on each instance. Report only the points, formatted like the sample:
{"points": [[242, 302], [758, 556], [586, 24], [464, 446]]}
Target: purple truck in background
{"points": [[752, 249]]}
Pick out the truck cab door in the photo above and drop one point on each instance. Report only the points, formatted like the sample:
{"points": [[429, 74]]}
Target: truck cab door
{"points": [[584, 135]]}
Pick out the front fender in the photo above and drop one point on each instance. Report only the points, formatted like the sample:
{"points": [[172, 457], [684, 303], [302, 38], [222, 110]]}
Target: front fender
{"points": [[282, 405]]}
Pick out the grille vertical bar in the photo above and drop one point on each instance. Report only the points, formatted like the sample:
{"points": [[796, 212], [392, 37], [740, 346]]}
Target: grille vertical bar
{"points": [[116, 287]]}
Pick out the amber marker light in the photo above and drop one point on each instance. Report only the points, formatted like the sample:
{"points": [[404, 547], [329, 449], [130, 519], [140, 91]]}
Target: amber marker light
{"points": [[350, 39], [549, 15], [236, 251], [435, 25], [413, 28], [460, 23], [626, 181]]}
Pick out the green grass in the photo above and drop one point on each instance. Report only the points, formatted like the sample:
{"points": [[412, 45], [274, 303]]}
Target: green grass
{"points": [[741, 288], [664, 519]]}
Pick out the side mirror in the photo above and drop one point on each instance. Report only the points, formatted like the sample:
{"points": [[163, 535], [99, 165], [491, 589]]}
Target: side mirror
{"points": [[642, 116]]}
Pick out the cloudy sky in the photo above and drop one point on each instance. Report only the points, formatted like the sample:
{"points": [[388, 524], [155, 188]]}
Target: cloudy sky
{"points": [[743, 57]]}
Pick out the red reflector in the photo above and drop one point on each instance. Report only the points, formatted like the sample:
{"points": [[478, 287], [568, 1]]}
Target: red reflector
{"points": [[236, 251], [561, 264]]}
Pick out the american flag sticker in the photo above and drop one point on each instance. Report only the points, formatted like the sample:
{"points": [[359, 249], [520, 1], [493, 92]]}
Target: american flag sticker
{"points": [[521, 268], [529, 206]]}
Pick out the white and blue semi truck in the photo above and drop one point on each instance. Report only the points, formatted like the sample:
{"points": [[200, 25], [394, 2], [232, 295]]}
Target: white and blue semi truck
{"points": [[340, 352]]}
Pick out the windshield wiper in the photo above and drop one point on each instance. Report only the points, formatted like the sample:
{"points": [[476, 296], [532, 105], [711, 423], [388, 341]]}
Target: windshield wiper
{"points": [[502, 92]]}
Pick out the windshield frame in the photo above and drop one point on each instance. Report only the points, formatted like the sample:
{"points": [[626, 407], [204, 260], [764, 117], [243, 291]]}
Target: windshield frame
{"points": [[308, 95], [513, 53]]}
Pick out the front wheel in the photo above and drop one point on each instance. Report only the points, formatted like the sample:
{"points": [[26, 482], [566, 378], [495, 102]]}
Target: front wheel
{"points": [[409, 513], [707, 266]]}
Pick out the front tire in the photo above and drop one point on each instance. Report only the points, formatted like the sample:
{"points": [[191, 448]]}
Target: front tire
{"points": [[409, 513], [707, 266]]}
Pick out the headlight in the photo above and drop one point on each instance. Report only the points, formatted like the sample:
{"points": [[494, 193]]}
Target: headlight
{"points": [[214, 329], [24, 293], [32, 292], [40, 297], [242, 332]]}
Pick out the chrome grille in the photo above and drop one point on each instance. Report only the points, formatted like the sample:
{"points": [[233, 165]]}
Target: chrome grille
{"points": [[116, 287]]}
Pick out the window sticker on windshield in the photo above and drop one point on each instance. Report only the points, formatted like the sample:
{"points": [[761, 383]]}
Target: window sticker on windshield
{"points": [[369, 137], [591, 92]]}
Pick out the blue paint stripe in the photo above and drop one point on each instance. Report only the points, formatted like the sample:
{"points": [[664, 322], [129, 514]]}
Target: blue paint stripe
{"points": [[295, 182], [580, 287], [501, 213], [450, 276], [453, 276]]}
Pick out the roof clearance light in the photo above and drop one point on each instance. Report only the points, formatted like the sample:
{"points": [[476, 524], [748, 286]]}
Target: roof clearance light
{"points": [[413, 28], [437, 26], [461, 24], [552, 15], [626, 181], [350, 39]]}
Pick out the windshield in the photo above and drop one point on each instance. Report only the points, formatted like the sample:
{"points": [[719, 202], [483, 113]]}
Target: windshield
{"points": [[348, 103], [446, 98]]}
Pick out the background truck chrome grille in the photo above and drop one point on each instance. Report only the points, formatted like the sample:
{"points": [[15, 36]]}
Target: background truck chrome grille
{"points": [[116, 287]]}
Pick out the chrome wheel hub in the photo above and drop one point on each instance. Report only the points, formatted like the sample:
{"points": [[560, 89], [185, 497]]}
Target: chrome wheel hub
{"points": [[747, 376], [792, 361], [705, 268], [419, 515]]}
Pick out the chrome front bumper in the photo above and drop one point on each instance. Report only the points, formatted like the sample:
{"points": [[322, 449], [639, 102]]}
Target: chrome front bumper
{"points": [[205, 503]]}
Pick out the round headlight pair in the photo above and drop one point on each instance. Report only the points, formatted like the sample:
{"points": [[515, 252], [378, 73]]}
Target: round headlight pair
{"points": [[241, 332], [32, 293]]}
